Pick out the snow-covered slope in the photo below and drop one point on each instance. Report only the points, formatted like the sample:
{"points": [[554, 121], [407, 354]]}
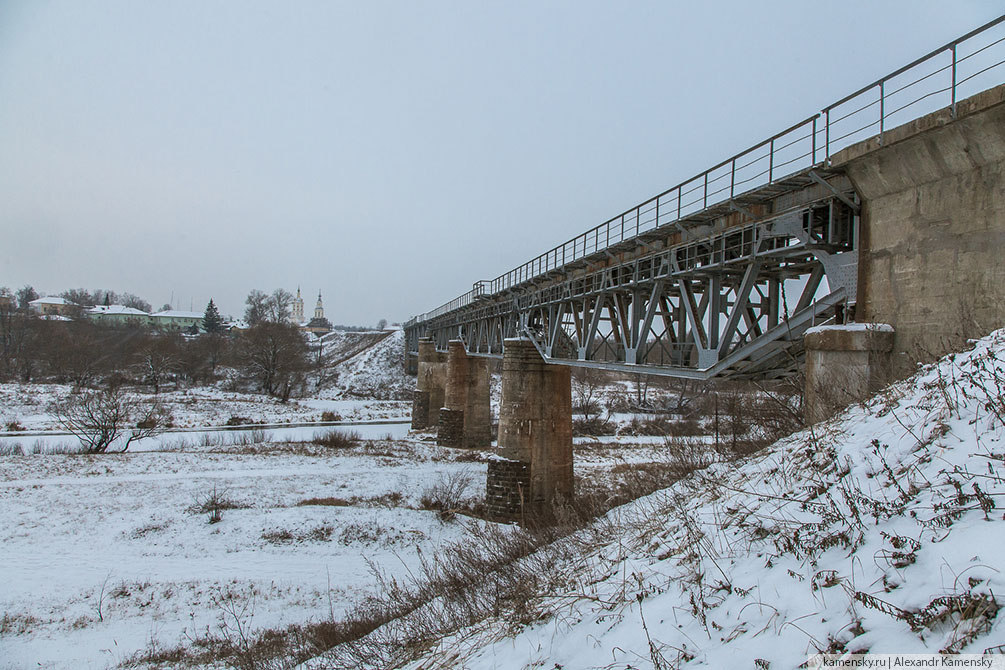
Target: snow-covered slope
{"points": [[880, 531], [376, 371]]}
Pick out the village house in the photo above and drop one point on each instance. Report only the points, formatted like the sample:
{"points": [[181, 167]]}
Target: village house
{"points": [[52, 306], [118, 315], [176, 319]]}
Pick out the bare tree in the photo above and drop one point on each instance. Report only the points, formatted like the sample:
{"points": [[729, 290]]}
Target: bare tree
{"points": [[99, 418], [17, 344], [76, 352], [25, 295], [258, 308], [680, 396], [587, 384], [642, 391], [275, 355], [136, 302], [105, 297], [78, 296], [279, 304], [158, 359]]}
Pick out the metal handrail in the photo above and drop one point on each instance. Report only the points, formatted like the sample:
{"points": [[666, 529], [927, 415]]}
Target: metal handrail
{"points": [[669, 207]]}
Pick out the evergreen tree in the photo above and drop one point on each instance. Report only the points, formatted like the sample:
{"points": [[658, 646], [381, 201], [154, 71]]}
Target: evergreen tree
{"points": [[211, 321]]}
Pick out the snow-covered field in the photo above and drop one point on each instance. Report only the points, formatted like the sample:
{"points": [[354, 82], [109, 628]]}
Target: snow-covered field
{"points": [[102, 555], [880, 531], [106, 556]]}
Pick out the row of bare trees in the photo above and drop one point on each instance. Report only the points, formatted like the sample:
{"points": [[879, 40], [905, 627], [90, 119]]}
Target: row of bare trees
{"points": [[271, 357]]}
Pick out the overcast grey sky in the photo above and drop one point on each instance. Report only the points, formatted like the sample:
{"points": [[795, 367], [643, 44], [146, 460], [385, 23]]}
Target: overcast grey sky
{"points": [[388, 153]]}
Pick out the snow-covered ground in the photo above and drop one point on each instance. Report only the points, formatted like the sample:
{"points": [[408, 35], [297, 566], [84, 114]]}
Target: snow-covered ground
{"points": [[102, 555], [880, 531]]}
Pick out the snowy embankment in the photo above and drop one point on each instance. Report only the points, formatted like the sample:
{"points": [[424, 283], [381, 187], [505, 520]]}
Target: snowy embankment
{"points": [[880, 530], [376, 371]]}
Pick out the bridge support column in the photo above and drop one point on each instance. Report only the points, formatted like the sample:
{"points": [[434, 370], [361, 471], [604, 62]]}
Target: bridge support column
{"points": [[534, 471], [465, 418], [844, 364], [428, 396]]}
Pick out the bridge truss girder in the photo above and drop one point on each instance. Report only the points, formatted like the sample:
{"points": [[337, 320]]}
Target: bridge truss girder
{"points": [[733, 303]]}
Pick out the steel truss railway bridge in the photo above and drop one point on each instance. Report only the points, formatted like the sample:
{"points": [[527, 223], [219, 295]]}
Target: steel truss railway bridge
{"points": [[722, 274]]}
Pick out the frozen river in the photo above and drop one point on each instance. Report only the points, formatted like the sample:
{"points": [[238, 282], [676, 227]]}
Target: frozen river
{"points": [[49, 441]]}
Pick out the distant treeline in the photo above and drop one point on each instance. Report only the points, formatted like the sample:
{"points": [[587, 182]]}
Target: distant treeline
{"points": [[273, 358]]}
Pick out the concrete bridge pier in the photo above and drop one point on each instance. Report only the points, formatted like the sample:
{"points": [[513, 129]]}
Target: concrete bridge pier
{"points": [[533, 472], [430, 385], [845, 364], [465, 420]]}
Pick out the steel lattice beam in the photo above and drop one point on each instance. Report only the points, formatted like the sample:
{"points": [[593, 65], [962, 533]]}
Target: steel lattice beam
{"points": [[734, 302]]}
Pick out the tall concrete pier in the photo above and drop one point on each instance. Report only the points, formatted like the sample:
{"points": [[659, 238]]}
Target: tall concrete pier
{"points": [[465, 420], [430, 386], [534, 468]]}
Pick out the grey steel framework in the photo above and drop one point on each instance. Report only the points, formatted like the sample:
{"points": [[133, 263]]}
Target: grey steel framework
{"points": [[665, 287]]}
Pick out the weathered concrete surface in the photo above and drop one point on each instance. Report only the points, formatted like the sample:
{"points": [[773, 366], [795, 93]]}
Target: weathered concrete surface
{"points": [[465, 418], [933, 228], [844, 364], [535, 429], [429, 386]]}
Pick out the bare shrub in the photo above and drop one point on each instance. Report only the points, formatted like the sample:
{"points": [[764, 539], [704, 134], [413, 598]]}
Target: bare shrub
{"points": [[280, 536], [328, 417], [100, 418], [593, 426], [17, 624], [327, 502], [40, 447], [587, 384], [248, 438], [661, 425], [11, 450], [212, 503], [211, 440], [322, 533], [337, 439], [446, 495]]}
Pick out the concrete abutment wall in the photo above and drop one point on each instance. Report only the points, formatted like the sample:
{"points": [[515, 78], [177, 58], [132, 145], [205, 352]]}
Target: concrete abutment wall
{"points": [[933, 228]]}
